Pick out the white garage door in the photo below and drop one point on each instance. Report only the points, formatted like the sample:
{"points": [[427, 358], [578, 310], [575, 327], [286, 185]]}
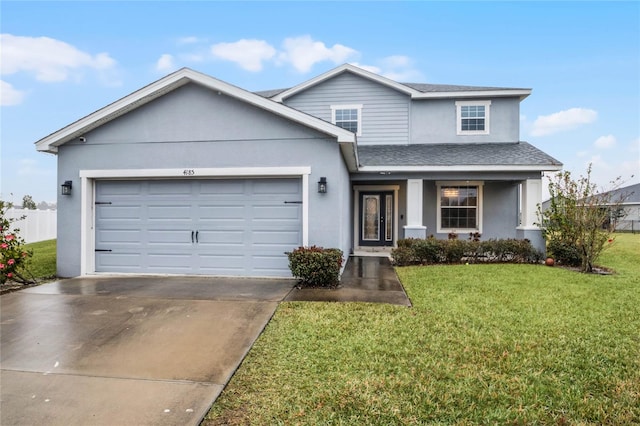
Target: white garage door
{"points": [[239, 227]]}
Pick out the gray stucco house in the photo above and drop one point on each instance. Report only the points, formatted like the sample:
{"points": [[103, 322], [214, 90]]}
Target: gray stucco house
{"points": [[192, 175]]}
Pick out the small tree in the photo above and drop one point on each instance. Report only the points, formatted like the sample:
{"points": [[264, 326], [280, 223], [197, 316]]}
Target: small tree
{"points": [[28, 203], [13, 256], [573, 225]]}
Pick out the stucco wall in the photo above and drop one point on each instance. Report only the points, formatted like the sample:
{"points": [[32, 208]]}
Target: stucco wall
{"points": [[434, 121], [194, 128]]}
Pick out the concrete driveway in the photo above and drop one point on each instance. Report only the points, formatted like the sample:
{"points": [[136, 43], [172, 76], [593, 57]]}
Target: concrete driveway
{"points": [[127, 351]]}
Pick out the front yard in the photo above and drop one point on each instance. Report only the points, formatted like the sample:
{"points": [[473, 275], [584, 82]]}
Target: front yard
{"points": [[483, 344]]}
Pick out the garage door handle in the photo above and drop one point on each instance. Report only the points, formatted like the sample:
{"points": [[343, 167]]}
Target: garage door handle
{"points": [[197, 232], [191, 236]]}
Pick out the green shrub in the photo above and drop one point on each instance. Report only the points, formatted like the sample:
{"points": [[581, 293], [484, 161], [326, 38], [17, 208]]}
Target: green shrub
{"points": [[316, 266], [563, 252], [427, 251], [14, 257], [431, 250]]}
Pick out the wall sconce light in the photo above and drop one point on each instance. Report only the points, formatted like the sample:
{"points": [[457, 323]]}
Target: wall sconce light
{"points": [[66, 188], [322, 185]]}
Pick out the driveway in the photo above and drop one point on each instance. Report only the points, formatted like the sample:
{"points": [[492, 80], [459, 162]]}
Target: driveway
{"points": [[120, 350]]}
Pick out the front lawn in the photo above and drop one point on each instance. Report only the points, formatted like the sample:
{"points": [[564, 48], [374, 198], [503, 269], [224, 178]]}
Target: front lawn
{"points": [[483, 344]]}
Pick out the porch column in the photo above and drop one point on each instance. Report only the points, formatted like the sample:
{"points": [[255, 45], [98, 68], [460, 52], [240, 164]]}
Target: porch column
{"points": [[414, 227], [531, 197]]}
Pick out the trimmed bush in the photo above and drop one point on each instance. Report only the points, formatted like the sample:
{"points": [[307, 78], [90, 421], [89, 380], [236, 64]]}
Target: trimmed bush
{"points": [[316, 266], [431, 250]]}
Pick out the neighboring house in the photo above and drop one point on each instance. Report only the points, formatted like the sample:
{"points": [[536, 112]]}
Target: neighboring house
{"points": [[626, 216], [192, 175]]}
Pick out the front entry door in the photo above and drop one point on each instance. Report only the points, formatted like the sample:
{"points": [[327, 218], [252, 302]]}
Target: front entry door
{"points": [[376, 219]]}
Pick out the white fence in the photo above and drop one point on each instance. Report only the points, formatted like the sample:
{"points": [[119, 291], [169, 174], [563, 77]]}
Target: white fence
{"points": [[38, 225]]}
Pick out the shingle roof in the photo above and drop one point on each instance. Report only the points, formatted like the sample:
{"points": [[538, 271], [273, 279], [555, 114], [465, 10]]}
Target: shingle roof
{"points": [[467, 154], [631, 193], [428, 88]]}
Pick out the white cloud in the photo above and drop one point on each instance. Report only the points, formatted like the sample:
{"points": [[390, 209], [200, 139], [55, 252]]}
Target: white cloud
{"points": [[562, 121], [604, 142], [370, 68], [397, 67], [303, 53], [189, 40], [9, 95], [48, 59], [249, 54], [165, 63]]}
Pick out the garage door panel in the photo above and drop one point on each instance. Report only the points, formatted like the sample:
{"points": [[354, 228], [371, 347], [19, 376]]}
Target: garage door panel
{"points": [[169, 189], [120, 213], [221, 188], [169, 212], [244, 227], [121, 236], [172, 237]]}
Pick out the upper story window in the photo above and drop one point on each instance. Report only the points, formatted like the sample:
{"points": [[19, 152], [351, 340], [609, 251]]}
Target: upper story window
{"points": [[348, 117], [473, 117]]}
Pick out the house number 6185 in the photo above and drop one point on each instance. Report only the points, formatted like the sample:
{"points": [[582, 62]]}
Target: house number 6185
{"points": [[188, 172]]}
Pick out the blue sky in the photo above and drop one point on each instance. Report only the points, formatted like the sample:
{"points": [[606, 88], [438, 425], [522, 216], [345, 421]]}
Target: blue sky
{"points": [[63, 60]]}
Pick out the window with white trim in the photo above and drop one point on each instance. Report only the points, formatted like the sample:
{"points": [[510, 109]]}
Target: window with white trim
{"points": [[473, 117], [459, 206], [348, 117]]}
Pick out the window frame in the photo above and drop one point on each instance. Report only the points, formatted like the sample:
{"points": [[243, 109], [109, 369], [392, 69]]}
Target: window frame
{"points": [[487, 117], [480, 198], [357, 107]]}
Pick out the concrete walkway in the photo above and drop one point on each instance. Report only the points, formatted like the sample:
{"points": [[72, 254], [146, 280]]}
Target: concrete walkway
{"points": [[365, 279]]}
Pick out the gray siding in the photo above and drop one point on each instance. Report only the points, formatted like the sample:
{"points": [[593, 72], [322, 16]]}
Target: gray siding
{"points": [[385, 112], [192, 127], [434, 121]]}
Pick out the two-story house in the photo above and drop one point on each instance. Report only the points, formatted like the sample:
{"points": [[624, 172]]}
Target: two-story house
{"points": [[192, 175]]}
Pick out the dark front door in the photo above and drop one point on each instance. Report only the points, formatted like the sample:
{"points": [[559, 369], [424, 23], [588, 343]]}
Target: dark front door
{"points": [[376, 219]]}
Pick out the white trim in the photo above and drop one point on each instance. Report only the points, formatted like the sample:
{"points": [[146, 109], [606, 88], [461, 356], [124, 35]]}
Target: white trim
{"points": [[195, 173], [440, 184], [357, 107], [461, 168], [489, 93], [87, 194], [356, 210], [487, 117], [171, 82]]}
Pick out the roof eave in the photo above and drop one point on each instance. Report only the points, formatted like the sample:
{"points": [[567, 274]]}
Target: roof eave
{"points": [[500, 93], [463, 168]]}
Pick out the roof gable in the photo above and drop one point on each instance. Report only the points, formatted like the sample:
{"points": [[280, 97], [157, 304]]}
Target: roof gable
{"points": [[171, 82], [415, 90]]}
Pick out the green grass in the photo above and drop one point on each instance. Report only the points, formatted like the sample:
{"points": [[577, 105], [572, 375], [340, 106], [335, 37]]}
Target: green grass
{"points": [[483, 344], [43, 262]]}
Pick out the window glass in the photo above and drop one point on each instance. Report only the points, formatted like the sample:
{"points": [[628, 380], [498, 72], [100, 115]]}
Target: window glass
{"points": [[347, 119], [459, 207]]}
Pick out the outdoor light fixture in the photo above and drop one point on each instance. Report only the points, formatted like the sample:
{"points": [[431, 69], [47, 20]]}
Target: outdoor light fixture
{"points": [[66, 187], [322, 185]]}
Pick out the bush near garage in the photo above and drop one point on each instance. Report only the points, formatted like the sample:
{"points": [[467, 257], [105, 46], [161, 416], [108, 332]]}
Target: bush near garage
{"points": [[316, 266], [430, 251], [14, 257]]}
